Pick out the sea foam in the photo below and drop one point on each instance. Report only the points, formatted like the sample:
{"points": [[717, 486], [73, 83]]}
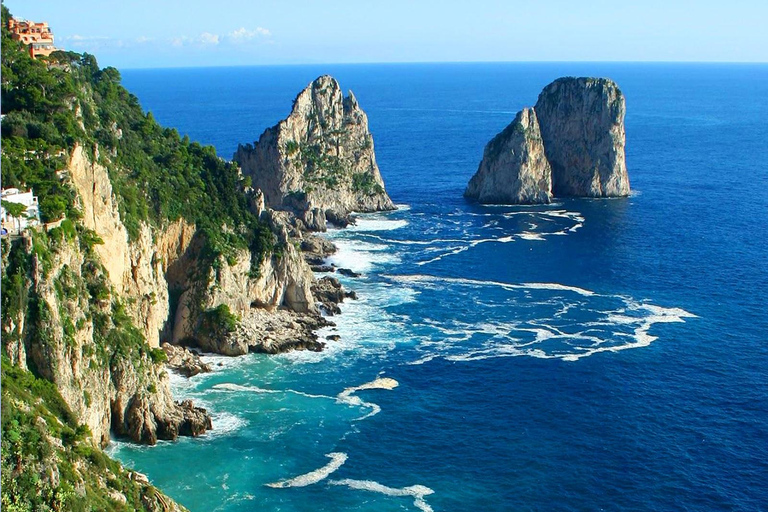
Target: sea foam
{"points": [[348, 395], [558, 321], [313, 477], [417, 492]]}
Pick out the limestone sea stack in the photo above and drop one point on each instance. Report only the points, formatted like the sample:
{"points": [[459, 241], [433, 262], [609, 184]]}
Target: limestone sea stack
{"points": [[582, 125], [319, 162], [514, 168], [570, 144]]}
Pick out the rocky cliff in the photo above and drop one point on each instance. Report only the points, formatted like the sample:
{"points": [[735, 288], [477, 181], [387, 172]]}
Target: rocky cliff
{"points": [[570, 144], [514, 168], [319, 162], [87, 288], [150, 238], [582, 125]]}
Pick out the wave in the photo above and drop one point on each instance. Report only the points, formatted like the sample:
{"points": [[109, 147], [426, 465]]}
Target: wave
{"points": [[423, 278], [417, 492], [360, 256], [313, 477], [224, 423]]}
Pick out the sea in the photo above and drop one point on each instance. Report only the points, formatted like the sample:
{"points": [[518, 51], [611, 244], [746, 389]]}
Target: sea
{"points": [[587, 355]]}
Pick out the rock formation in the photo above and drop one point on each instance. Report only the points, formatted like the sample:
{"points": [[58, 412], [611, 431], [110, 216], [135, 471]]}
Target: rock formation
{"points": [[582, 125], [319, 162], [514, 168], [570, 144], [184, 361]]}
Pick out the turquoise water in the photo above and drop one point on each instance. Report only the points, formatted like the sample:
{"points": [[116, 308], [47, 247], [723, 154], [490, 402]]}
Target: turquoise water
{"points": [[586, 355]]}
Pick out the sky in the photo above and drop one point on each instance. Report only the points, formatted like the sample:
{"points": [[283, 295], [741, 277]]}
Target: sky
{"points": [[175, 33]]}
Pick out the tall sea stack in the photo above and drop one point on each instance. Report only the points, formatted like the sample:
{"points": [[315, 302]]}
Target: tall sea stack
{"points": [[582, 125], [319, 162], [578, 125]]}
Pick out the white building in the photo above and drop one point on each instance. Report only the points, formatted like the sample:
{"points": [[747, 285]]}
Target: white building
{"points": [[31, 217]]}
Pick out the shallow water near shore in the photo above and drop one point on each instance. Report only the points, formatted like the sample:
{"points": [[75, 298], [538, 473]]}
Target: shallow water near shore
{"points": [[584, 355]]}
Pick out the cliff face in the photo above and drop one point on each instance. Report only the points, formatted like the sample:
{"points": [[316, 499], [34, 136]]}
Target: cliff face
{"points": [[98, 305], [319, 162], [582, 125], [284, 281], [514, 168], [136, 269], [79, 337], [570, 144]]}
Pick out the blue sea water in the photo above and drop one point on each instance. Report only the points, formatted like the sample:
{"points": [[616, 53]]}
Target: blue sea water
{"points": [[586, 355]]}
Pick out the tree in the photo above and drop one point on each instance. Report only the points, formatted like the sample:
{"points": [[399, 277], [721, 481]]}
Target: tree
{"points": [[16, 210]]}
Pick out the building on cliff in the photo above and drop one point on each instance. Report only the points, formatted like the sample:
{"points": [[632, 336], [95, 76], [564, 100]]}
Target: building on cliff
{"points": [[28, 213], [37, 36]]}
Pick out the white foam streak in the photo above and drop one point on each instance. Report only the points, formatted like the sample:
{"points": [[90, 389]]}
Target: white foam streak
{"points": [[422, 278], [224, 423], [348, 395], [417, 492], [360, 256], [228, 386], [337, 460], [376, 224]]}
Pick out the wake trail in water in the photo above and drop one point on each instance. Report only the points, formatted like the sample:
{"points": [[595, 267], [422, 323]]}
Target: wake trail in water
{"points": [[417, 492], [313, 477], [348, 395]]}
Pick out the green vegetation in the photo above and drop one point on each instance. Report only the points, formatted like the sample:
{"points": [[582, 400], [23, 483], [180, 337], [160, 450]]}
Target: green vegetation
{"points": [[364, 182], [48, 463], [319, 167], [220, 318], [14, 209], [51, 105]]}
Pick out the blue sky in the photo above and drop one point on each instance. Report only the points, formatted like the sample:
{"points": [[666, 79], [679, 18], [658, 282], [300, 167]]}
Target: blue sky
{"points": [[169, 33]]}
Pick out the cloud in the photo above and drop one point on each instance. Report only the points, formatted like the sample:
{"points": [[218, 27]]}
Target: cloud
{"points": [[144, 39], [208, 38], [79, 38], [204, 39], [242, 34]]}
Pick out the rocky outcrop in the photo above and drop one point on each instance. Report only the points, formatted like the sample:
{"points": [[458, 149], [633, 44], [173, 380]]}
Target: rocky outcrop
{"points": [[329, 293], [283, 280], [582, 125], [319, 162], [570, 144], [514, 168], [184, 361], [265, 331]]}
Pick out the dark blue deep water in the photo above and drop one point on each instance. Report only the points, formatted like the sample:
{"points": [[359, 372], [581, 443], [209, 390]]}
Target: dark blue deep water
{"points": [[586, 355]]}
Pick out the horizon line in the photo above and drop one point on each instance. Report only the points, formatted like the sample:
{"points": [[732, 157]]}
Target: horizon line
{"points": [[406, 63]]}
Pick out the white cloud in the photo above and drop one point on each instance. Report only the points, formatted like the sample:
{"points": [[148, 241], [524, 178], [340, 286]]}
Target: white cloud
{"points": [[242, 34], [208, 38], [144, 39], [78, 37]]}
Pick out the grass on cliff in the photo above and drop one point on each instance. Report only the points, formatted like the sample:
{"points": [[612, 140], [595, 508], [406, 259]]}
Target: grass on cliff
{"points": [[48, 464], [52, 104]]}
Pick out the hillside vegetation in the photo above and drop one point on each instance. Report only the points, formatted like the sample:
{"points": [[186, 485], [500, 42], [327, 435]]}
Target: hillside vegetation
{"points": [[57, 302]]}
